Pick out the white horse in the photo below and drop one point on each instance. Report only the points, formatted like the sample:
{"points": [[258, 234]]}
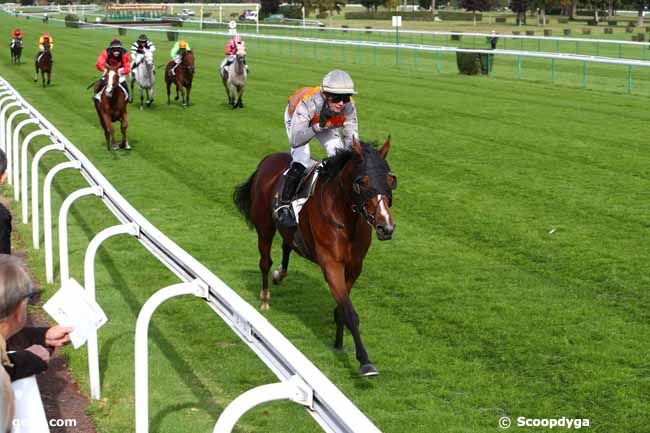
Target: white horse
{"points": [[234, 79], [143, 71]]}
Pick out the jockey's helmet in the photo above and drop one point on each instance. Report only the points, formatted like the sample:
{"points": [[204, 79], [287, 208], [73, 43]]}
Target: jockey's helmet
{"points": [[237, 39], [17, 33], [182, 44], [142, 38], [338, 82], [115, 43]]}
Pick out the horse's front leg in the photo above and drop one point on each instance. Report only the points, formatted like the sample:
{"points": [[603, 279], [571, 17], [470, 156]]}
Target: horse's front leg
{"points": [[169, 85], [142, 98], [49, 77], [124, 124], [335, 275], [281, 272], [177, 91], [132, 90], [36, 74], [109, 132], [187, 100]]}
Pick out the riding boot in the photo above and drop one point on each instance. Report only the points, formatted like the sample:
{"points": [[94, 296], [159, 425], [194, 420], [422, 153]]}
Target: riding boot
{"points": [[284, 214]]}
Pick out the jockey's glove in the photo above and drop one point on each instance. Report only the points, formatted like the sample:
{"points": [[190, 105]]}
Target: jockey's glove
{"points": [[325, 115]]}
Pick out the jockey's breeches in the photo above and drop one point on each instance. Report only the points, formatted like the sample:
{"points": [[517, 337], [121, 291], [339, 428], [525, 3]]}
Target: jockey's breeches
{"points": [[329, 138]]}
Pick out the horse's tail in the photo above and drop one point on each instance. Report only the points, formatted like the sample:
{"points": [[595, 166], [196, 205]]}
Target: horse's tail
{"points": [[242, 198]]}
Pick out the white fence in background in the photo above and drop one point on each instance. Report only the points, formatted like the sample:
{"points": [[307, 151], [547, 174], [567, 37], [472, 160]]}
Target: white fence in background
{"points": [[300, 380], [402, 46]]}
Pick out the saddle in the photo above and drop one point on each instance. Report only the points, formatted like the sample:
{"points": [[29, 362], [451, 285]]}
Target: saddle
{"points": [[304, 191]]}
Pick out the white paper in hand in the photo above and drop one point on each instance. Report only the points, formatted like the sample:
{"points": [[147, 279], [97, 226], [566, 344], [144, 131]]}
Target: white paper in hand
{"points": [[71, 306]]}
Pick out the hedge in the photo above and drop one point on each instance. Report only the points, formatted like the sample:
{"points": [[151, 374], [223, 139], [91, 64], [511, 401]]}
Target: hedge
{"points": [[473, 63], [71, 21]]}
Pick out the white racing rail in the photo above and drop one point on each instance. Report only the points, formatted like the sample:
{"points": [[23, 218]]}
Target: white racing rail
{"points": [[300, 381]]}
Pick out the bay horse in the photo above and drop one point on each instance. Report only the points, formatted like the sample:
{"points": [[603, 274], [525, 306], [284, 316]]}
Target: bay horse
{"points": [[143, 73], [353, 195], [234, 79], [16, 49], [43, 63], [182, 78], [111, 107]]}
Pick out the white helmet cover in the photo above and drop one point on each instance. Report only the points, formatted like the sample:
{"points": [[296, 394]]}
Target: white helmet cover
{"points": [[338, 82]]}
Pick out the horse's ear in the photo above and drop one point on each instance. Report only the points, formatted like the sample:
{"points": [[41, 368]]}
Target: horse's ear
{"points": [[383, 152], [356, 147]]}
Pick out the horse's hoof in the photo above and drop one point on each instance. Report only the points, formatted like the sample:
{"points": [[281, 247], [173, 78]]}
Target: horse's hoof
{"points": [[338, 349], [141, 107], [114, 146], [278, 276], [264, 306], [368, 370]]}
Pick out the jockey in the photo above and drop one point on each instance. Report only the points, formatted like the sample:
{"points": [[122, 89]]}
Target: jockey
{"points": [[114, 55], [142, 45], [316, 112], [235, 44], [41, 44], [16, 35], [177, 52]]}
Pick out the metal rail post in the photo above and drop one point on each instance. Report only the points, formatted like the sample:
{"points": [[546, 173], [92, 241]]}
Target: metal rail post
{"points": [[35, 207], [47, 214], [195, 288], [23, 169], [63, 226], [89, 284], [15, 153]]}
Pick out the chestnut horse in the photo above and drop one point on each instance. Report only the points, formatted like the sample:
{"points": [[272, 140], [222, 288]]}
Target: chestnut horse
{"points": [[112, 108], [44, 63], [353, 194], [183, 77]]}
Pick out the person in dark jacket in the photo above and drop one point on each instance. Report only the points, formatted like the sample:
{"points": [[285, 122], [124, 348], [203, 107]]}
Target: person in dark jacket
{"points": [[33, 346], [5, 215], [493, 39]]}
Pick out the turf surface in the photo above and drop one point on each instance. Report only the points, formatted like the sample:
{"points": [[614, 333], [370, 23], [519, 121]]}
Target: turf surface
{"points": [[516, 284]]}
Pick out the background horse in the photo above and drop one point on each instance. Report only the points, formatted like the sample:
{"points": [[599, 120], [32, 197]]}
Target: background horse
{"points": [[16, 49], [44, 64], [352, 195], [143, 72], [234, 79], [182, 78], [112, 107]]}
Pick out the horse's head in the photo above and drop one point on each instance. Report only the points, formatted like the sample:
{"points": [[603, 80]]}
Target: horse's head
{"points": [[46, 47], [148, 58], [366, 176], [188, 61], [112, 80]]}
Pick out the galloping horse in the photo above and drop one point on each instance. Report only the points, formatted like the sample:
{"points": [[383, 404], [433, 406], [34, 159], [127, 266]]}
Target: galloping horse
{"points": [[143, 72], [112, 107], [16, 49], [182, 78], [234, 79], [44, 63], [352, 195]]}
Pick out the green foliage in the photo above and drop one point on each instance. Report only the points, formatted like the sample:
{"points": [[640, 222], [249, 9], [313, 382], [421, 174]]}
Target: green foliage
{"points": [[269, 7], [412, 16], [477, 5], [294, 12], [473, 63], [71, 20]]}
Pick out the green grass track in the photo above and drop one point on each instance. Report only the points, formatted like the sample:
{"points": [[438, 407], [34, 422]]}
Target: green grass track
{"points": [[516, 285]]}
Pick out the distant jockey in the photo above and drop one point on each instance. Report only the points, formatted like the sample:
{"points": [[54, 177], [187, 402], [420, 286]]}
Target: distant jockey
{"points": [[235, 44], [177, 52]]}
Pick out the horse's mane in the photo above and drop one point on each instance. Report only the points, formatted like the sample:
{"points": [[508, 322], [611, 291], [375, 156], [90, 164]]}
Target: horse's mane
{"points": [[335, 163]]}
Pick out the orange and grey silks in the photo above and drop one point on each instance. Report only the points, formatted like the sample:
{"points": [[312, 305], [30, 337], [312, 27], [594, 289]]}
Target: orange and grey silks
{"points": [[304, 108]]}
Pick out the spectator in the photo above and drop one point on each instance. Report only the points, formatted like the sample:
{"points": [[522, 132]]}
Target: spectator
{"points": [[5, 215], [493, 39], [15, 292]]}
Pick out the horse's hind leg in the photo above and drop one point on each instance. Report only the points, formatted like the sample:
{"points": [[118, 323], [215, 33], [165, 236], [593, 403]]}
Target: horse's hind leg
{"points": [[49, 76], [264, 242], [142, 97], [281, 272], [36, 74]]}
